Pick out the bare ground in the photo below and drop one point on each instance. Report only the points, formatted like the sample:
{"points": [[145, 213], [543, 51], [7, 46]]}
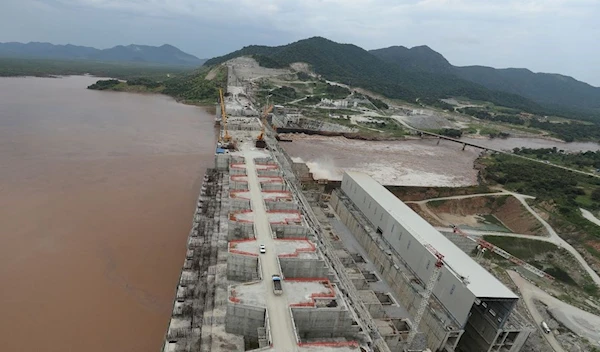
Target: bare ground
{"points": [[506, 209]]}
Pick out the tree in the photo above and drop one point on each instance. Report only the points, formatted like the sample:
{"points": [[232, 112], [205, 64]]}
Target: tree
{"points": [[596, 194]]}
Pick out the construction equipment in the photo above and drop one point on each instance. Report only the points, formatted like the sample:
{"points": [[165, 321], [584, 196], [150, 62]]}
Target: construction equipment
{"points": [[260, 140], [277, 289], [427, 294], [504, 254], [429, 287], [226, 137]]}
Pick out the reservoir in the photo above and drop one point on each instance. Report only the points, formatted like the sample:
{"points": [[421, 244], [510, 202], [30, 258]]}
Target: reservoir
{"points": [[97, 192]]}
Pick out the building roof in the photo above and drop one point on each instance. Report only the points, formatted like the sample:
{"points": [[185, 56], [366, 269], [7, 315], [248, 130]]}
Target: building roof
{"points": [[481, 283]]}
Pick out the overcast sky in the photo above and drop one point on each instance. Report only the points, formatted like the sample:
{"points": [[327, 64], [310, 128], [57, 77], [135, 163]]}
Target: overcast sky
{"points": [[559, 36]]}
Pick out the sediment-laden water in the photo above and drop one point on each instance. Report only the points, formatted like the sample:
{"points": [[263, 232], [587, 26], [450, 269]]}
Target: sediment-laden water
{"points": [[97, 192]]}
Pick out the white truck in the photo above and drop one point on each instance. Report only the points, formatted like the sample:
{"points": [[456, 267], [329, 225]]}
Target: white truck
{"points": [[277, 285], [545, 327]]}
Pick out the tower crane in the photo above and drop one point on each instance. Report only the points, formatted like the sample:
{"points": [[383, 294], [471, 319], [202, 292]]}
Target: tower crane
{"points": [[439, 263], [483, 245], [260, 140], [226, 136], [429, 287]]}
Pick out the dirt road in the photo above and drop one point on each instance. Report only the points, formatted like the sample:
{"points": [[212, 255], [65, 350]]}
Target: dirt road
{"points": [[552, 238], [580, 322]]}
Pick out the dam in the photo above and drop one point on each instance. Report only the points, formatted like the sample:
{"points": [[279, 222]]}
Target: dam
{"points": [[270, 267]]}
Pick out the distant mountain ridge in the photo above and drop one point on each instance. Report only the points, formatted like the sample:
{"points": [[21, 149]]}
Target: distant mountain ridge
{"points": [[164, 54], [350, 64], [543, 88]]}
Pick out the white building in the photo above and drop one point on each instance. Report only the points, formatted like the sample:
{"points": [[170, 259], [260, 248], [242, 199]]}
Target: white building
{"points": [[473, 296]]}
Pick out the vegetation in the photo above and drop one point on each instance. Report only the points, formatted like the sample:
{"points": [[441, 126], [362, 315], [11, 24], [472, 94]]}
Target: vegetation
{"points": [[522, 248], [437, 103], [378, 103], [485, 114], [330, 91], [303, 76], [104, 84], [582, 160], [407, 193], [48, 68], [545, 256], [354, 66], [559, 192], [570, 131], [450, 132], [191, 88], [560, 95], [266, 61], [385, 124]]}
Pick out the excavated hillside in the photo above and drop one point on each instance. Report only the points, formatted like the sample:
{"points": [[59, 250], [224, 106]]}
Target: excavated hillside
{"points": [[502, 211]]}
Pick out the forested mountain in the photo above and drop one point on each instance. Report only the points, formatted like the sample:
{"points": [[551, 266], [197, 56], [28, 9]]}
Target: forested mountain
{"points": [[420, 58], [165, 54], [544, 88], [551, 90], [355, 66]]}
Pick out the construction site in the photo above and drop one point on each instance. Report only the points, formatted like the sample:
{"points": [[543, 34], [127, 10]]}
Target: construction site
{"points": [[270, 266]]}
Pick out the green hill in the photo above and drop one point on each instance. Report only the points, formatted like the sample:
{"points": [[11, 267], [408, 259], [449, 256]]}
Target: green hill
{"points": [[419, 58], [349, 64], [559, 94]]}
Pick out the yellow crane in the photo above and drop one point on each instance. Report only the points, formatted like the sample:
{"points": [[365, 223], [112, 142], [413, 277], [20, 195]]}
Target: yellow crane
{"points": [[266, 112], [226, 136]]}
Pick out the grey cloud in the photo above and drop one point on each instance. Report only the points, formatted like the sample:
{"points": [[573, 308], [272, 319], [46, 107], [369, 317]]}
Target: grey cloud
{"points": [[549, 35]]}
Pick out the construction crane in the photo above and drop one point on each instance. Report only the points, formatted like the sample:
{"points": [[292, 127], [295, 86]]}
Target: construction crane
{"points": [[260, 140], [483, 245], [439, 263], [429, 287], [226, 137]]}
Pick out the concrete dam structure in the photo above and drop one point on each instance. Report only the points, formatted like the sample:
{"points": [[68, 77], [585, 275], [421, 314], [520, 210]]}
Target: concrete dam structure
{"points": [[264, 271]]}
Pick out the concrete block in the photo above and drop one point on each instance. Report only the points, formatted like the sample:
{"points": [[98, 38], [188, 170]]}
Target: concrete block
{"points": [[239, 230], [303, 268], [242, 267], [244, 320], [290, 231], [281, 205]]}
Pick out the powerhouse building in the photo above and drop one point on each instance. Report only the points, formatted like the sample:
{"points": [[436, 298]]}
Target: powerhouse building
{"points": [[478, 301]]}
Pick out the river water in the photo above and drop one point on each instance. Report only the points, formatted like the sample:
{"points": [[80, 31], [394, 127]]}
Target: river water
{"points": [[406, 163], [97, 192]]}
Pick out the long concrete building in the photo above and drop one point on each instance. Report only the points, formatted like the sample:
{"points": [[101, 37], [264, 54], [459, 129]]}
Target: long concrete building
{"points": [[472, 297]]}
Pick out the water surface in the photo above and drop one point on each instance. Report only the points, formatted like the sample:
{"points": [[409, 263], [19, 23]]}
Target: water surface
{"points": [[97, 191]]}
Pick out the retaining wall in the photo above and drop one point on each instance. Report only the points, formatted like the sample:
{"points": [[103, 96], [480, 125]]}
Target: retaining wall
{"points": [[281, 205], [244, 320], [314, 323], [289, 231], [236, 204], [272, 186], [242, 267], [303, 268], [239, 230], [269, 172], [237, 171], [238, 185]]}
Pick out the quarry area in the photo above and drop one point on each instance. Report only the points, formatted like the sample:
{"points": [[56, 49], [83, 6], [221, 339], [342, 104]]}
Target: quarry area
{"points": [[319, 229]]}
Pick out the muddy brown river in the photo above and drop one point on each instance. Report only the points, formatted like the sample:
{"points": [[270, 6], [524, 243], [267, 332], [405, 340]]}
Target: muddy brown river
{"points": [[97, 192], [406, 163]]}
